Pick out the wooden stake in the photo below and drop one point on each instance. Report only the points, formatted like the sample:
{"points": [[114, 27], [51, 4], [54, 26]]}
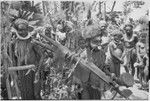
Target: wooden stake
{"points": [[43, 4], [105, 11], [113, 6], [21, 68]]}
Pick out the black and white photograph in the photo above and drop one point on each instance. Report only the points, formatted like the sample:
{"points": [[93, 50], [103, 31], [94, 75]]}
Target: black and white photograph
{"points": [[74, 50]]}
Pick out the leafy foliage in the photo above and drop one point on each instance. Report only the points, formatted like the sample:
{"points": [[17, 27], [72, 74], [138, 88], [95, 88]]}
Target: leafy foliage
{"points": [[72, 17]]}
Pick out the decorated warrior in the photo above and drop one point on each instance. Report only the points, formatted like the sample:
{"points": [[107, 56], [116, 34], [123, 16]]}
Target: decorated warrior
{"points": [[130, 40], [142, 63], [93, 87], [114, 53], [25, 52]]}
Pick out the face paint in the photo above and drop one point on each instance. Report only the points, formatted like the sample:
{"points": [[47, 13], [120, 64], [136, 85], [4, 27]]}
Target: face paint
{"points": [[95, 42], [128, 30], [117, 38], [23, 33]]}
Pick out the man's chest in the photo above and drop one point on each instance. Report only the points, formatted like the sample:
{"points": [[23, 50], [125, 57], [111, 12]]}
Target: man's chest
{"points": [[118, 49], [129, 42], [98, 58]]}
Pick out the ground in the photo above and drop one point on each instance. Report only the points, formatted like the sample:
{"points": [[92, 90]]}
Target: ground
{"points": [[137, 94]]}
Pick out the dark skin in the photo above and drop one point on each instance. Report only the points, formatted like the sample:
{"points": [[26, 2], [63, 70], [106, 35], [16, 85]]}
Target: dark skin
{"points": [[115, 50], [117, 39], [130, 41], [95, 42], [129, 34], [129, 31]]}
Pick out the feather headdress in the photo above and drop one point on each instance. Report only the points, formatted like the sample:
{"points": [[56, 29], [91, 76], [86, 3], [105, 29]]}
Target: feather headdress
{"points": [[25, 18]]}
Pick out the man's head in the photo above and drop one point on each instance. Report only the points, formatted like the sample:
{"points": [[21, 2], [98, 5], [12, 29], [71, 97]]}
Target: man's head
{"points": [[95, 42], [128, 29], [117, 38], [22, 29], [117, 35], [103, 25]]}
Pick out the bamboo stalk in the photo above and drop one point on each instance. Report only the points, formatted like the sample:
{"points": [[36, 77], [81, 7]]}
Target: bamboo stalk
{"points": [[8, 89], [105, 11], [7, 74], [44, 10], [113, 6], [100, 9], [21, 67], [7, 77], [13, 74], [6, 65]]}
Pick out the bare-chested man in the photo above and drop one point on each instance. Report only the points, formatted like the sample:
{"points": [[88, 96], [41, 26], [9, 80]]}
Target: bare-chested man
{"points": [[142, 63], [115, 50], [130, 39]]}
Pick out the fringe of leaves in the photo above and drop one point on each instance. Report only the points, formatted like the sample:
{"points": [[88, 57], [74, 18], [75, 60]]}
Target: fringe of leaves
{"points": [[21, 51]]}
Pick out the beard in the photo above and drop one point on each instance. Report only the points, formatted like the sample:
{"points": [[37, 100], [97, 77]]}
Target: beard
{"points": [[94, 49]]}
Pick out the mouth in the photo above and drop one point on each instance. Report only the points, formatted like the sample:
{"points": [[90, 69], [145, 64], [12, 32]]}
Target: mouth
{"points": [[23, 34]]}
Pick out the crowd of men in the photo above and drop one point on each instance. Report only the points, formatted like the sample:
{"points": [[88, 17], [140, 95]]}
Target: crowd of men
{"points": [[120, 49]]}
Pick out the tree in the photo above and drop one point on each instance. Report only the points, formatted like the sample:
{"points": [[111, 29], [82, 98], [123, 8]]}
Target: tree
{"points": [[130, 5]]}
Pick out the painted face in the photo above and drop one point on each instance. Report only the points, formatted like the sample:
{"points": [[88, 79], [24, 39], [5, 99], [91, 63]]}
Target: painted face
{"points": [[117, 38], [128, 29], [95, 42], [103, 28], [23, 33], [22, 29]]}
